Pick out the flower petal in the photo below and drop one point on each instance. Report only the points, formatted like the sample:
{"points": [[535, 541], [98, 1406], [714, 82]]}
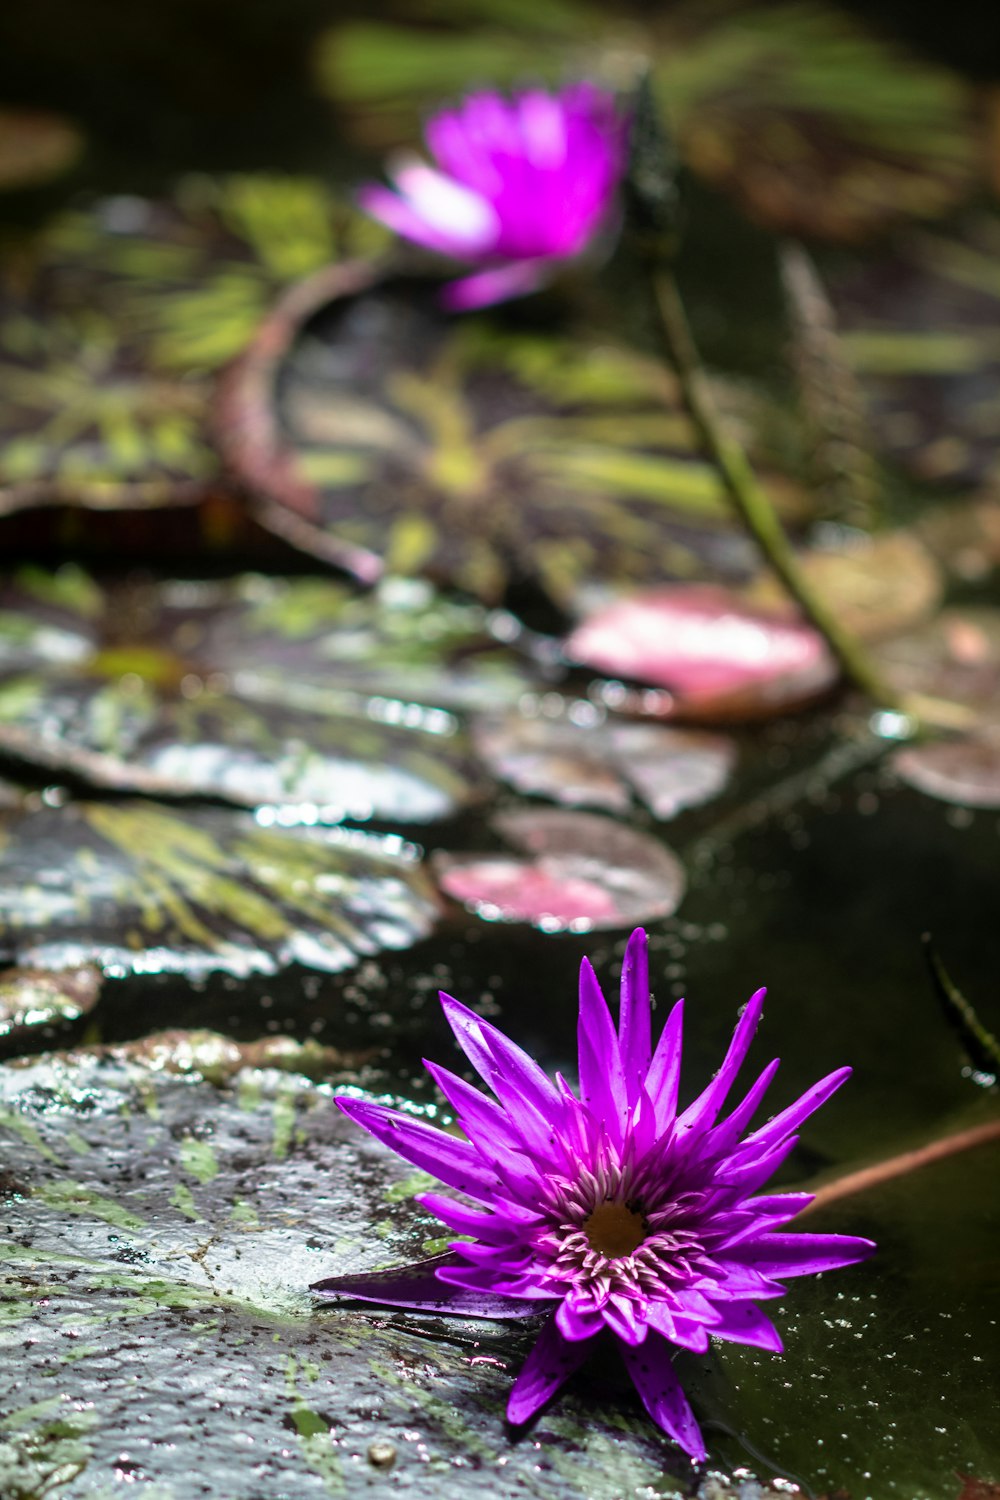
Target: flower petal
{"points": [[452, 1161], [701, 1114], [498, 283], [602, 1081], [802, 1254], [664, 1076], [498, 1060], [652, 1372], [791, 1118], [723, 1138], [743, 1323], [634, 1014], [551, 1362], [417, 1286]]}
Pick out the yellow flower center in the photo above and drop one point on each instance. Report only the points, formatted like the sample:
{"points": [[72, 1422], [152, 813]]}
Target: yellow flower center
{"points": [[614, 1229]]}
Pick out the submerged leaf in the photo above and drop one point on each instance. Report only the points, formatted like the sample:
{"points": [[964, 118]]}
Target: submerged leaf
{"points": [[134, 888], [582, 872], [718, 656], [584, 760], [381, 434], [953, 661], [284, 692], [964, 770]]}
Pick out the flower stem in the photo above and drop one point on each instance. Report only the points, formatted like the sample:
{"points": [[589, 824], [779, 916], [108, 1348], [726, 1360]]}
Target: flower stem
{"points": [[747, 496], [900, 1166]]}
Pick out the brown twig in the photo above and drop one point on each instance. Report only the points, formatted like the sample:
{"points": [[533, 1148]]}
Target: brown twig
{"points": [[864, 1178]]}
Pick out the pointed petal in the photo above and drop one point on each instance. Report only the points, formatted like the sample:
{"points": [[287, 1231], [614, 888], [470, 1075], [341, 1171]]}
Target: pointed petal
{"points": [[514, 278], [478, 1116], [791, 1118], [687, 1333], [417, 1286], [576, 1324], [725, 1135], [660, 1391], [496, 1229], [743, 1323], [634, 1014], [452, 1161], [664, 1074], [602, 1082], [494, 1056], [551, 1362], [619, 1314], [802, 1254], [701, 1114]]}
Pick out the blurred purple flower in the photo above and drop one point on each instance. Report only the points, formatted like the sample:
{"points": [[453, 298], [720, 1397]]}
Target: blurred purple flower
{"points": [[613, 1211], [520, 184]]}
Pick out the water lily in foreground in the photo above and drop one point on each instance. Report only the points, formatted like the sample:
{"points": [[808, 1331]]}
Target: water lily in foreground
{"points": [[612, 1211], [519, 185]]}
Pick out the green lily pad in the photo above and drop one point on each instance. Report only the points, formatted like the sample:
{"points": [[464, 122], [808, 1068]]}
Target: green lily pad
{"points": [[115, 318], [35, 146], [260, 691], [380, 433], [137, 889], [161, 1230], [817, 124], [31, 999], [921, 328]]}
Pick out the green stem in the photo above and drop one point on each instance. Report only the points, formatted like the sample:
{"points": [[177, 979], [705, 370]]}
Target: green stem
{"points": [[748, 498]]}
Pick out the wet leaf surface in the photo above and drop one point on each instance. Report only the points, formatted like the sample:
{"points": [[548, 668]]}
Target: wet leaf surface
{"points": [[583, 872], [258, 691], [136, 889], [578, 757], [921, 328], [31, 999], [953, 660], [161, 1238], [965, 770], [878, 585], [379, 433], [34, 146], [114, 319], [817, 124], [717, 655]]}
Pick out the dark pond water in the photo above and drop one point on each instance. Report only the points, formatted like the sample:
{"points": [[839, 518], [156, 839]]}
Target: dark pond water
{"points": [[167, 1210]]}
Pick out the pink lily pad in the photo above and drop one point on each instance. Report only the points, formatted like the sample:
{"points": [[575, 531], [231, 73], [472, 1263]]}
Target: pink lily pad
{"points": [[716, 655], [583, 872]]}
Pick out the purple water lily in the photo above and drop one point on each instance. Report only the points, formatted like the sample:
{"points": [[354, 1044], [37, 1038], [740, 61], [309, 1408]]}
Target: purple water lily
{"points": [[612, 1210], [520, 185]]}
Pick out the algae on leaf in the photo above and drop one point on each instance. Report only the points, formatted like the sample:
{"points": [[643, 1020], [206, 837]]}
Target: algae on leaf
{"points": [[135, 888]]}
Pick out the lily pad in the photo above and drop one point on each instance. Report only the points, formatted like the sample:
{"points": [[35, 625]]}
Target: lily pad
{"points": [[953, 662], [379, 433], [114, 319], [816, 123], [879, 585], [579, 757], [964, 770], [161, 1236], [921, 328], [281, 692], [583, 872], [31, 999], [136, 889], [718, 656], [35, 146]]}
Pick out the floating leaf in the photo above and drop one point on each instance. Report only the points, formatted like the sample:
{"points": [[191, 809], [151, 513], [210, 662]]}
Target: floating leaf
{"points": [[817, 124], [35, 146], [718, 656], [117, 315], [33, 998], [584, 760], [259, 691], [583, 872], [921, 328], [379, 433], [953, 662], [135, 888], [964, 770], [162, 1233], [877, 585]]}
